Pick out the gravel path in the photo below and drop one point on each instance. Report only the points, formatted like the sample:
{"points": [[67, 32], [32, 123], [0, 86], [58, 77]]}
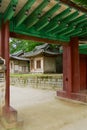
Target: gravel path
{"points": [[40, 110]]}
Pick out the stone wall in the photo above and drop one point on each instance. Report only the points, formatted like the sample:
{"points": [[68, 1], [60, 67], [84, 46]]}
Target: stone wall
{"points": [[43, 82], [2, 92]]}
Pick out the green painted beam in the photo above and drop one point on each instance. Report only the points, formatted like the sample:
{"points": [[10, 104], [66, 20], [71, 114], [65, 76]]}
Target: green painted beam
{"points": [[75, 32], [59, 28], [23, 30], [64, 22], [66, 31], [83, 33], [83, 52], [82, 46], [9, 12], [54, 22], [82, 24], [72, 28], [23, 13], [71, 17], [34, 16], [79, 19], [45, 19]]}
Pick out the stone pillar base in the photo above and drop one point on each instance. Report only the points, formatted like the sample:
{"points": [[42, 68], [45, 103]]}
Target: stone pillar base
{"points": [[9, 119], [74, 96], [9, 114]]}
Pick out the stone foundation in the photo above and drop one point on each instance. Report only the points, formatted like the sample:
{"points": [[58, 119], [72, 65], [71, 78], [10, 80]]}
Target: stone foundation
{"points": [[43, 82], [74, 96], [2, 95]]}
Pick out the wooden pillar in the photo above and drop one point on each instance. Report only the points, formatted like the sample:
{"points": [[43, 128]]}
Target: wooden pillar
{"points": [[67, 69], [83, 72], [4, 52], [7, 59], [71, 72], [75, 65], [0, 42]]}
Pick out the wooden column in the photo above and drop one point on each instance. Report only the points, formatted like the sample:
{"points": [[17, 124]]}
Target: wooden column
{"points": [[75, 65], [67, 69], [0, 42], [71, 72], [4, 52], [7, 59], [83, 72]]}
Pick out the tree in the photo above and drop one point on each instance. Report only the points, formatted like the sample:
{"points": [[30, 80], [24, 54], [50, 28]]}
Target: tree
{"points": [[25, 45]]}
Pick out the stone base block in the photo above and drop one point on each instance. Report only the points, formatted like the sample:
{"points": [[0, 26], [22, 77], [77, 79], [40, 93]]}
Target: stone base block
{"points": [[9, 114], [17, 125], [74, 96]]}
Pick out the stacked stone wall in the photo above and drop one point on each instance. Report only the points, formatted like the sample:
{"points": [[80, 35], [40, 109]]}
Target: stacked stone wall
{"points": [[43, 82]]}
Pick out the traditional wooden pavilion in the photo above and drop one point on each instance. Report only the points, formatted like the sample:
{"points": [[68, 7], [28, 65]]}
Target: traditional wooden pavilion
{"points": [[52, 21]]}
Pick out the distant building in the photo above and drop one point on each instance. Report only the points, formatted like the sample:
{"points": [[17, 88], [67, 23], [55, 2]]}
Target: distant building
{"points": [[18, 64], [43, 59]]}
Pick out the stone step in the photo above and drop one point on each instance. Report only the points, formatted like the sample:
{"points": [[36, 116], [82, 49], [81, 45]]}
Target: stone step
{"points": [[17, 125]]}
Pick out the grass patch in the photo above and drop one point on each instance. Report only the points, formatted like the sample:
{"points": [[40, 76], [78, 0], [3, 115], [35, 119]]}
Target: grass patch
{"points": [[34, 75]]}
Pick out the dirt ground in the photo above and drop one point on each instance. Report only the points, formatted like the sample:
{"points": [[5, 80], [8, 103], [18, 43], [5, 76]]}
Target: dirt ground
{"points": [[41, 110]]}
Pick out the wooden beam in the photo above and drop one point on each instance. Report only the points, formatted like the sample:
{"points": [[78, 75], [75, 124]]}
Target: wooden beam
{"points": [[71, 4], [45, 19], [9, 12], [43, 40], [34, 16], [23, 13], [54, 22]]}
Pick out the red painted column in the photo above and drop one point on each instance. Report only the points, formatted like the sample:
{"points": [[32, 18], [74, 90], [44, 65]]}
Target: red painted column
{"points": [[7, 59], [83, 72], [74, 43], [71, 72], [4, 52], [67, 70], [9, 113], [0, 42]]}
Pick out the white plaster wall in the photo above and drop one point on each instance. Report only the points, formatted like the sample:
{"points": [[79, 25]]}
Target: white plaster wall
{"points": [[11, 69], [37, 70], [49, 64], [17, 66]]}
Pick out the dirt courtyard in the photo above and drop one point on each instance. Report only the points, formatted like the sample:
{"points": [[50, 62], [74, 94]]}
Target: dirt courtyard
{"points": [[41, 110]]}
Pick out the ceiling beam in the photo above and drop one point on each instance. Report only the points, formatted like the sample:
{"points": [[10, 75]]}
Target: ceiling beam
{"points": [[9, 12], [83, 34], [73, 5], [54, 22], [23, 13], [76, 32], [45, 19], [67, 31], [71, 27], [34, 16], [79, 19], [33, 38], [64, 23]]}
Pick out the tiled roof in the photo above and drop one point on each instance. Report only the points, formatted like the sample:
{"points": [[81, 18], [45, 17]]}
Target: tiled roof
{"points": [[19, 58], [21, 52], [42, 49]]}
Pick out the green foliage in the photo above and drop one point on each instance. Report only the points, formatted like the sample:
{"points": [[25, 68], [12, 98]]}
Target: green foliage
{"points": [[25, 45]]}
